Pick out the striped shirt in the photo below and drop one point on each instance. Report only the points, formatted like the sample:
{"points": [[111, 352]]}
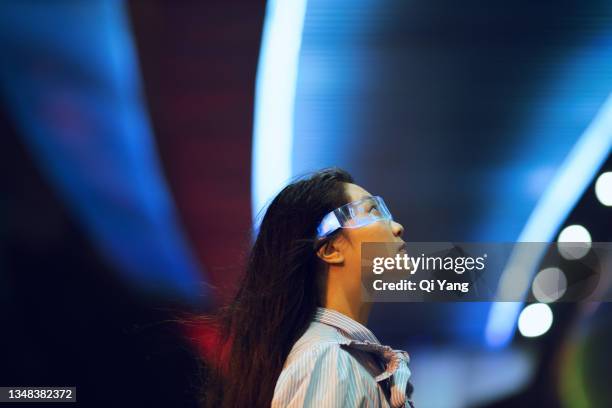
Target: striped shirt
{"points": [[338, 362]]}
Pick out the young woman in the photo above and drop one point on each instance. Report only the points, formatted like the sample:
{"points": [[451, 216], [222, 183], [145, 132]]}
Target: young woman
{"points": [[294, 335]]}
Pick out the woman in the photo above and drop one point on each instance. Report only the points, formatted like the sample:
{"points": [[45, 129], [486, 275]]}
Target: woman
{"points": [[295, 335]]}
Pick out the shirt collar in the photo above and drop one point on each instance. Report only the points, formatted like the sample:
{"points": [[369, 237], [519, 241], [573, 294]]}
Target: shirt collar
{"points": [[360, 337], [352, 329]]}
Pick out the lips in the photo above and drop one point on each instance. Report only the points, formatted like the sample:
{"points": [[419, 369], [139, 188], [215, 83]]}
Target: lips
{"points": [[402, 248]]}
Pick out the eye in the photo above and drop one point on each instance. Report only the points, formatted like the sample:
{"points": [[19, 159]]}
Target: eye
{"points": [[374, 210]]}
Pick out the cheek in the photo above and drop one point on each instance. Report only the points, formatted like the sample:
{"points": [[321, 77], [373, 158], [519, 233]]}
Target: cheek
{"points": [[376, 232]]}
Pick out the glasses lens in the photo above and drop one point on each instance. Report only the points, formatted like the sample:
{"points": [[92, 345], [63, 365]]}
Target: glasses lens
{"points": [[356, 214], [364, 212]]}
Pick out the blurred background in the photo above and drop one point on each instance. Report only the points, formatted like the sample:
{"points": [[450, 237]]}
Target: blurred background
{"points": [[141, 139]]}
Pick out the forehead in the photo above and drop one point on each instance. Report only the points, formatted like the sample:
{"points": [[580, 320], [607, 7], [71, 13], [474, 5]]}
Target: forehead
{"points": [[355, 192]]}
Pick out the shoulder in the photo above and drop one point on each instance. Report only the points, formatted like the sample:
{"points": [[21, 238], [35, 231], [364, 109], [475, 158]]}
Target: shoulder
{"points": [[321, 355], [320, 369]]}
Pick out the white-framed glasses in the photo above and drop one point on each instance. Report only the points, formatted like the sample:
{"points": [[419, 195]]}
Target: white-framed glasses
{"points": [[354, 215]]}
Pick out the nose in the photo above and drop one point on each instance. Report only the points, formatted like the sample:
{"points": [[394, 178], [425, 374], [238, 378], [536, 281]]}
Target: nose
{"points": [[397, 228]]}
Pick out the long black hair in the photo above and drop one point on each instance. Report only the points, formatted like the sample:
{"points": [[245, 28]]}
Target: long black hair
{"points": [[278, 295]]}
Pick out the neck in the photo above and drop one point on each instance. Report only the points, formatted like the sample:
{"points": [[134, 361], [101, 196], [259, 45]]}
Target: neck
{"points": [[349, 304]]}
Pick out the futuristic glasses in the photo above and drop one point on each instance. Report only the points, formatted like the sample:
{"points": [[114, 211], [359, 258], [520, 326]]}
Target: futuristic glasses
{"points": [[354, 215]]}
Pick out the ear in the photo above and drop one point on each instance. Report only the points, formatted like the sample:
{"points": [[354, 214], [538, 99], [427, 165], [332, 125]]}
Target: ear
{"points": [[330, 253]]}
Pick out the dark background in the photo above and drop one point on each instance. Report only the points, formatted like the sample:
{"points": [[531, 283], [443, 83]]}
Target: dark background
{"points": [[460, 115]]}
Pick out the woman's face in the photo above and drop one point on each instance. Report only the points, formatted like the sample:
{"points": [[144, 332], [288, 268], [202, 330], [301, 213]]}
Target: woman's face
{"points": [[349, 241], [379, 231]]}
